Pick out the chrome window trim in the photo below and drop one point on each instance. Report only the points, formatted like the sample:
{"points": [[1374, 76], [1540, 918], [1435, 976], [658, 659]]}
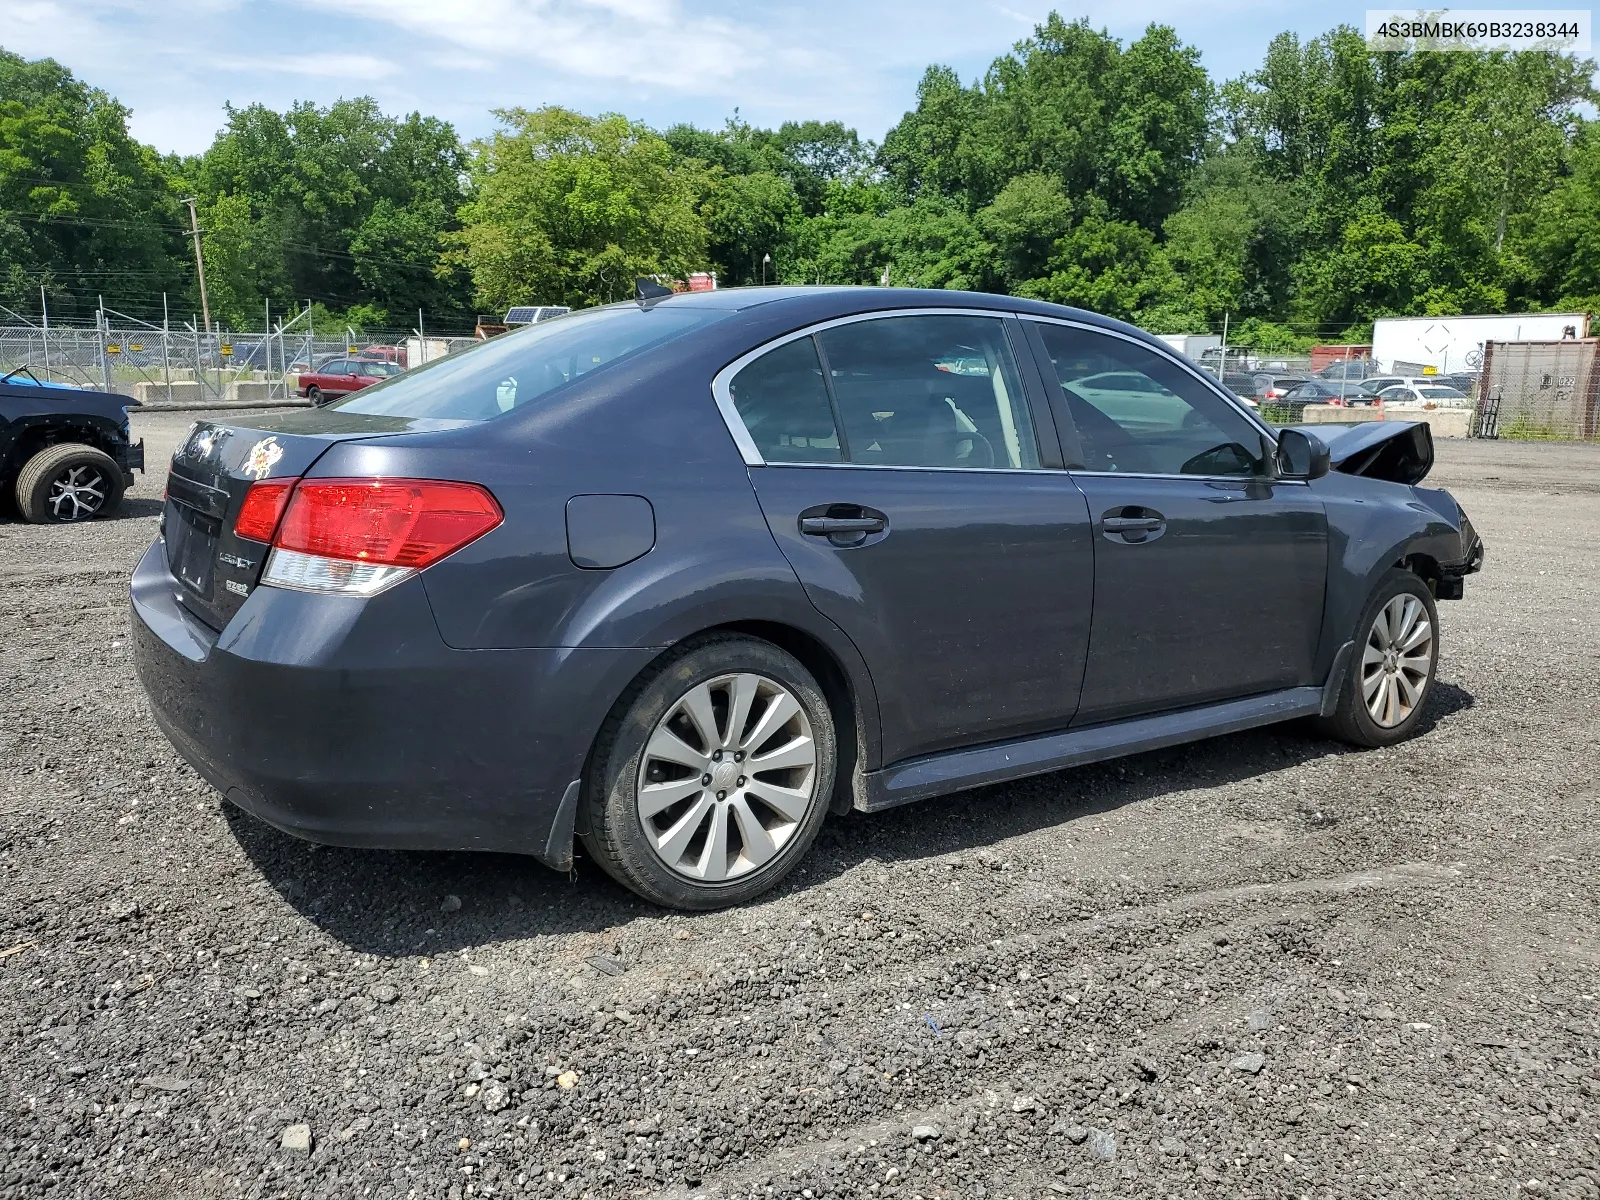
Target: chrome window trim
{"points": [[721, 389], [855, 466]]}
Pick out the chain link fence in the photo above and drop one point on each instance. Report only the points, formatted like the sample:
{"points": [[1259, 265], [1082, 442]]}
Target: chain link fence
{"points": [[155, 365]]}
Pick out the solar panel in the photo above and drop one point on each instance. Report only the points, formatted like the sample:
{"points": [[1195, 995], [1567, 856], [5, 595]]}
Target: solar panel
{"points": [[532, 314]]}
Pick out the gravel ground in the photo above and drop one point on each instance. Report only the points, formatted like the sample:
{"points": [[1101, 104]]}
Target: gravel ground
{"points": [[1261, 966]]}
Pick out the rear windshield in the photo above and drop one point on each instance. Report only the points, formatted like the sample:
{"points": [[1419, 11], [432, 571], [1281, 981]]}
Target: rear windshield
{"points": [[516, 368]]}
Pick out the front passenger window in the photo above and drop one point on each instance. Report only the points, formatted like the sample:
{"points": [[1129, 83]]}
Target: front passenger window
{"points": [[1138, 412]]}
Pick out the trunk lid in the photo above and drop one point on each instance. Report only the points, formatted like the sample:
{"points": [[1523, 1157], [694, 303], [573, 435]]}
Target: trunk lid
{"points": [[211, 471]]}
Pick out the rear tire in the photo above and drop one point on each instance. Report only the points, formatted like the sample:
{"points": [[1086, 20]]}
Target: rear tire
{"points": [[69, 482], [314, 394], [663, 821], [1392, 668]]}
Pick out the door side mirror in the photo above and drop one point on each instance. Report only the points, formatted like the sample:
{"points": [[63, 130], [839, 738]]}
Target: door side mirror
{"points": [[1302, 456]]}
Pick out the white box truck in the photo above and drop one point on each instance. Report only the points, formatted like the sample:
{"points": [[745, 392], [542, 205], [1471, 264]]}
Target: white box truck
{"points": [[1407, 345], [1192, 345]]}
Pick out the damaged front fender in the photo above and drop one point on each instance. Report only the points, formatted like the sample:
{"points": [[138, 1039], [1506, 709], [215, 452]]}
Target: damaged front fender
{"points": [[1397, 451]]}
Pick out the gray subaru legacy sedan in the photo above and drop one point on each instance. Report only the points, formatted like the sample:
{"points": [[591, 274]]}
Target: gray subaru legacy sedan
{"points": [[677, 577]]}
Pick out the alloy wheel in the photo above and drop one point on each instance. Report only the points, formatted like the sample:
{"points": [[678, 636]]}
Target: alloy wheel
{"points": [[1396, 661], [77, 493], [727, 777]]}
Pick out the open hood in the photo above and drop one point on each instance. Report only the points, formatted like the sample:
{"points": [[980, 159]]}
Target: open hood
{"points": [[1399, 451]]}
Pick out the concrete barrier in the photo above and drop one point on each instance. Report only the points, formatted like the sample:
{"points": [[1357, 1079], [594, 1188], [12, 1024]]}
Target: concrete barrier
{"points": [[1442, 422], [1337, 414], [183, 392], [243, 390]]}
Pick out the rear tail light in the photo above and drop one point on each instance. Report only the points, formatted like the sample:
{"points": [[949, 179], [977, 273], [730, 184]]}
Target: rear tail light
{"points": [[262, 509], [360, 536]]}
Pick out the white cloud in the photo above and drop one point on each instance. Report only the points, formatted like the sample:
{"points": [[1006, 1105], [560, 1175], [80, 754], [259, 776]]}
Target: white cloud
{"points": [[177, 62]]}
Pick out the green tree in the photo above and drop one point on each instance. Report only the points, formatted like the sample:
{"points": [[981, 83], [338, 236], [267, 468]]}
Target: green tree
{"points": [[1124, 125], [345, 205], [84, 209], [571, 209]]}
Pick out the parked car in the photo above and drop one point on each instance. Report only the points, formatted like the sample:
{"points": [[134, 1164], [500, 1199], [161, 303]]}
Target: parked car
{"points": [[1272, 388], [341, 376], [1353, 370], [654, 578], [1241, 385], [1425, 396], [382, 353], [1378, 383], [66, 453], [1325, 391]]}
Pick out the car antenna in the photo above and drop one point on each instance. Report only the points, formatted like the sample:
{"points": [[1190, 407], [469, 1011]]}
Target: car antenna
{"points": [[648, 292]]}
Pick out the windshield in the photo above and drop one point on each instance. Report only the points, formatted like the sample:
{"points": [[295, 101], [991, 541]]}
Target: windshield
{"points": [[515, 368]]}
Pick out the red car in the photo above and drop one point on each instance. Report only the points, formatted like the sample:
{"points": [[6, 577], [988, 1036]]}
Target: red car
{"points": [[341, 376]]}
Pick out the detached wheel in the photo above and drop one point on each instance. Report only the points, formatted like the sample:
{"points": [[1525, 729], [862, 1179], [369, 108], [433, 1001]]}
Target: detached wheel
{"points": [[1396, 655], [712, 776], [68, 482]]}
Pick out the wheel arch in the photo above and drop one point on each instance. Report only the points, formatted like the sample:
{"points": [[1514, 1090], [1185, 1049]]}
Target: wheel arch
{"points": [[42, 433], [844, 699], [1374, 527]]}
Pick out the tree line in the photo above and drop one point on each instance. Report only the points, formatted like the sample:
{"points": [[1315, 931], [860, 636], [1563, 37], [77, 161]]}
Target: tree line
{"points": [[1301, 200]]}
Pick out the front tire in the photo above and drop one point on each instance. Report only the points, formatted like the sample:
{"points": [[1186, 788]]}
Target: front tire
{"points": [[69, 482], [1392, 671], [712, 775]]}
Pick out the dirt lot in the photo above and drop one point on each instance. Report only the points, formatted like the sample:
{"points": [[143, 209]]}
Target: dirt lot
{"points": [[1260, 966]]}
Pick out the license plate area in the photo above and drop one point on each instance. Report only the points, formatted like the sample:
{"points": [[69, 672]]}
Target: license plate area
{"points": [[191, 547]]}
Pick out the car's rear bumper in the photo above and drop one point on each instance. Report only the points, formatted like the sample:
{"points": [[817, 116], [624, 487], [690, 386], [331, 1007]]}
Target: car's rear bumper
{"points": [[350, 722]]}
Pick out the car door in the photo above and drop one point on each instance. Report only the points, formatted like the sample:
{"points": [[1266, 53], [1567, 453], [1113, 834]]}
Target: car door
{"points": [[1209, 571], [327, 378], [897, 462]]}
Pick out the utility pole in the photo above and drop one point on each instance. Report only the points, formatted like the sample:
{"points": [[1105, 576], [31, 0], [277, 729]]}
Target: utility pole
{"points": [[199, 262], [1223, 364], [44, 315]]}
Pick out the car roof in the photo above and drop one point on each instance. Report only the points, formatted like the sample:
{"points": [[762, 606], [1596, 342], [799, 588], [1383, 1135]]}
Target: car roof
{"points": [[821, 303]]}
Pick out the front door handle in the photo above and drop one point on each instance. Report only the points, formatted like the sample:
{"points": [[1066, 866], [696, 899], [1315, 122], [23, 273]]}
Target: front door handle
{"points": [[1132, 524], [832, 526]]}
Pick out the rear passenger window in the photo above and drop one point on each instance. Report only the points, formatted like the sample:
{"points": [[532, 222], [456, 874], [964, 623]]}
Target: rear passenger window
{"points": [[931, 391], [783, 401]]}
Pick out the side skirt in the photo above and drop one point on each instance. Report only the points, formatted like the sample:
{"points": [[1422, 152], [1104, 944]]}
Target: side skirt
{"points": [[938, 774]]}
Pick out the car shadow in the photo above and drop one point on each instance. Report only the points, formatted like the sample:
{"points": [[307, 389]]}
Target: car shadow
{"points": [[131, 508], [139, 506], [395, 903]]}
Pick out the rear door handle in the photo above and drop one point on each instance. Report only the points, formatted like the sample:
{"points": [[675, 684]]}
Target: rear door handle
{"points": [[829, 526]]}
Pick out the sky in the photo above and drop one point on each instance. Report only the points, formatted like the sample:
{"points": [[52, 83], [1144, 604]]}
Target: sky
{"points": [[177, 63]]}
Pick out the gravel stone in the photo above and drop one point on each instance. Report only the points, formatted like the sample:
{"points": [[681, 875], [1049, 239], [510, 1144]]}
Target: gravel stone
{"points": [[1430, 948], [1251, 1062], [296, 1140], [925, 1133]]}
